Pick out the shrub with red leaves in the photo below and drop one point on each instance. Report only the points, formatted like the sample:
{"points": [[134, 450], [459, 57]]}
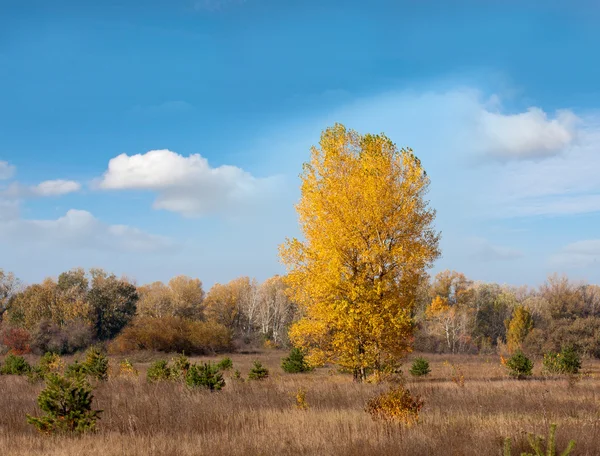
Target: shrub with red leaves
{"points": [[17, 340]]}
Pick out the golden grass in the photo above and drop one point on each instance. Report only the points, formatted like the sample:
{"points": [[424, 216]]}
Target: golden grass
{"points": [[261, 418]]}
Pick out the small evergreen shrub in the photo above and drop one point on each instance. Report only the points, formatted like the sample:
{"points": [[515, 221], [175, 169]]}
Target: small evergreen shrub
{"points": [[258, 372], [158, 371], [180, 367], [225, 364], [565, 362], [96, 364], [237, 375], [36, 374], [67, 403], [15, 365], [205, 375], [397, 405], [295, 362], [51, 363], [570, 360], [420, 367], [76, 370], [519, 366]]}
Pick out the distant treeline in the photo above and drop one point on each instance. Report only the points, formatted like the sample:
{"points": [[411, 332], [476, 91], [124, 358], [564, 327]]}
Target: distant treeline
{"points": [[452, 315], [457, 315], [78, 309]]}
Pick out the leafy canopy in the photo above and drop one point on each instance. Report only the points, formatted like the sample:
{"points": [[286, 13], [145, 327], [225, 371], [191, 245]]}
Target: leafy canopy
{"points": [[368, 241]]}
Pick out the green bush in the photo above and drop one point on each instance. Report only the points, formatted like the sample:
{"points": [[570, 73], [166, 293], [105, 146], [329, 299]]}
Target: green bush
{"points": [[205, 375], [258, 372], [50, 362], [67, 403], [225, 364], [570, 360], [295, 362], [96, 364], [36, 374], [76, 370], [565, 362], [420, 367], [519, 366], [15, 365], [159, 371], [180, 367]]}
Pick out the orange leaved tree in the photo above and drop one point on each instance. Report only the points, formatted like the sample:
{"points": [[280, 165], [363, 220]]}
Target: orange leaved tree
{"points": [[368, 240]]}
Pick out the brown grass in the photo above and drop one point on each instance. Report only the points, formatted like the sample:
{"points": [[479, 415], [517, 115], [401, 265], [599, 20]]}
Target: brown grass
{"points": [[261, 418]]}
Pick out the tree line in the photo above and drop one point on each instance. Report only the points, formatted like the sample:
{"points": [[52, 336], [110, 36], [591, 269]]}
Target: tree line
{"points": [[81, 307], [453, 314], [458, 315]]}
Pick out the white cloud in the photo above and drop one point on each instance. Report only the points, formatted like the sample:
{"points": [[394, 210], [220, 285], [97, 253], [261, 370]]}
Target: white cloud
{"points": [[47, 188], [188, 185], [484, 250], [56, 187], [561, 185], [6, 170], [79, 229], [580, 254], [526, 135]]}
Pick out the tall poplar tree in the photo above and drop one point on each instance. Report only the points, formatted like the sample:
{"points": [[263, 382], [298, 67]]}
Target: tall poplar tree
{"points": [[368, 240]]}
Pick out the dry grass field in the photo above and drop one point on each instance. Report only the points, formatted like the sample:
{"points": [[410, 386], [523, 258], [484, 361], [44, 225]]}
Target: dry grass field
{"points": [[260, 417]]}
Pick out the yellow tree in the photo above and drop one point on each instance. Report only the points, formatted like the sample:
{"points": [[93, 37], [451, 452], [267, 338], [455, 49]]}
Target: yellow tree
{"points": [[519, 326], [226, 303], [188, 296], [183, 297], [368, 240]]}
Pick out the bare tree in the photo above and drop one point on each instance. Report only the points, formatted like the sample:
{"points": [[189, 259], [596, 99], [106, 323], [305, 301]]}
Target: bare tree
{"points": [[9, 286]]}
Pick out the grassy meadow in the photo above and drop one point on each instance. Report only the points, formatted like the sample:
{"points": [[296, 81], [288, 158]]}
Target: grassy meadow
{"points": [[261, 417]]}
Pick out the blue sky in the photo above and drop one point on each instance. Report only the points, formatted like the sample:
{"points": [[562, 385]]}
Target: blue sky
{"points": [[165, 137]]}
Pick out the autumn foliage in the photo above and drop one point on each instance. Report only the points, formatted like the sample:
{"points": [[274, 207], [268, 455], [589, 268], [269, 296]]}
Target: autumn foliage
{"points": [[397, 405], [368, 241], [173, 334], [17, 340]]}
